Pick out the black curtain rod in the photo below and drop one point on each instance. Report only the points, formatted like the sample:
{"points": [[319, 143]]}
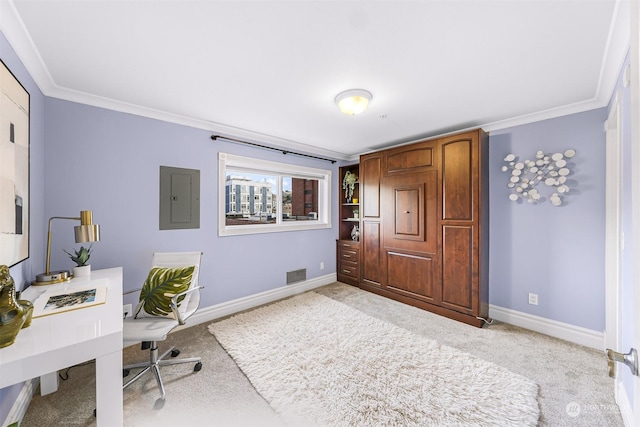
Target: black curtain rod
{"points": [[216, 137]]}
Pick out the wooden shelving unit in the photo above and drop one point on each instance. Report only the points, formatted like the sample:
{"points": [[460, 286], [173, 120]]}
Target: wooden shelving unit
{"points": [[348, 243]]}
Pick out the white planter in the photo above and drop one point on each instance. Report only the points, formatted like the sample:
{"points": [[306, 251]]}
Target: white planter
{"points": [[83, 271]]}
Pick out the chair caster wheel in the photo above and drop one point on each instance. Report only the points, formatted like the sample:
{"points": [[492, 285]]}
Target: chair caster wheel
{"points": [[95, 413], [125, 373], [197, 367], [175, 353]]}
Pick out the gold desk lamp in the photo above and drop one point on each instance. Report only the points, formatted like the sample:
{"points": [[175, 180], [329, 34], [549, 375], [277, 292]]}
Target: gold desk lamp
{"points": [[87, 231]]}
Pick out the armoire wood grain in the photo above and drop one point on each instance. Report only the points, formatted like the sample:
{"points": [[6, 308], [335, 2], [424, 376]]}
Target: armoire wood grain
{"points": [[424, 225]]}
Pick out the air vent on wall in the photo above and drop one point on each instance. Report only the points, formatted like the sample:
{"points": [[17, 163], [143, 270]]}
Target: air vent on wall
{"points": [[296, 276]]}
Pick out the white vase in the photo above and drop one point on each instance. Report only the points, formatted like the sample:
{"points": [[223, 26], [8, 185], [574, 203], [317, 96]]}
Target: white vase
{"points": [[83, 271]]}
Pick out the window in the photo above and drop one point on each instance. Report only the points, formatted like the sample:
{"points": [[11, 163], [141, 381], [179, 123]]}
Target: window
{"points": [[275, 196]]}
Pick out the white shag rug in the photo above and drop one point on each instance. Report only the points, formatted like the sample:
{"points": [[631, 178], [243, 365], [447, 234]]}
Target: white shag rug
{"points": [[320, 362]]}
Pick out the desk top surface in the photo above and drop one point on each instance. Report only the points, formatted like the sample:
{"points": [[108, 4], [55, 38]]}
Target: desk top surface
{"points": [[60, 340]]}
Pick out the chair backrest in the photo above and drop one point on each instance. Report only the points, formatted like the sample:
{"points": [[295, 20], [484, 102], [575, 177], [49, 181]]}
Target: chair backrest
{"points": [[179, 259], [191, 302]]}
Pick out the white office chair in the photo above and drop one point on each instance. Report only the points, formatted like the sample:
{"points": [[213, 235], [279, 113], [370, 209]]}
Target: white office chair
{"points": [[150, 330]]}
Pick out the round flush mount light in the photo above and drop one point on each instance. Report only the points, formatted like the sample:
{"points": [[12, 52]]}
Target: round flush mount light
{"points": [[353, 101]]}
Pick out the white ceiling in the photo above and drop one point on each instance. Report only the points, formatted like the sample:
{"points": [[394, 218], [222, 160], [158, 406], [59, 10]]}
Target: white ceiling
{"points": [[268, 71]]}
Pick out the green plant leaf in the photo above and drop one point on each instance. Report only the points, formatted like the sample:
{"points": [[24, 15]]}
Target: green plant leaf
{"points": [[81, 256], [161, 285]]}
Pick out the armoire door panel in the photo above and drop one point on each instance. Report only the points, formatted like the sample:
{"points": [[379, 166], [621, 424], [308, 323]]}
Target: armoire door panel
{"points": [[411, 273], [410, 211], [457, 180], [424, 224], [370, 236], [407, 215], [404, 160], [370, 171], [457, 267]]}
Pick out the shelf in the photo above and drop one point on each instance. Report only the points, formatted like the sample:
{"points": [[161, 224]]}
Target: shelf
{"points": [[348, 208]]}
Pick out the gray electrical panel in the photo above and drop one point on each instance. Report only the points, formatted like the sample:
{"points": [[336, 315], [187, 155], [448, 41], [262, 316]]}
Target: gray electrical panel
{"points": [[179, 198]]}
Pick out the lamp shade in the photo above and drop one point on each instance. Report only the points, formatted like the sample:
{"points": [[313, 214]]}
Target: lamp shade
{"points": [[87, 233], [353, 101]]}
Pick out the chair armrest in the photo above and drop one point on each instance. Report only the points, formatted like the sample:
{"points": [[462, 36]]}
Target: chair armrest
{"points": [[174, 303]]}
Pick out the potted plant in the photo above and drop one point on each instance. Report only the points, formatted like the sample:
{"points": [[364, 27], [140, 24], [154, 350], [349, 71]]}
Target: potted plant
{"points": [[81, 258], [348, 184]]}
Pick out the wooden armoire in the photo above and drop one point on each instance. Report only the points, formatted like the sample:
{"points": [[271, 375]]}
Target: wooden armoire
{"points": [[424, 226]]}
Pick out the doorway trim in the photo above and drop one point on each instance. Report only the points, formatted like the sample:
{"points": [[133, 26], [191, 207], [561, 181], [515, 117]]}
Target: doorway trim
{"points": [[614, 239]]}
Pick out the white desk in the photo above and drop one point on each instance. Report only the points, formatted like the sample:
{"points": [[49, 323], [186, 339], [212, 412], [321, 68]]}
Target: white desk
{"points": [[61, 340]]}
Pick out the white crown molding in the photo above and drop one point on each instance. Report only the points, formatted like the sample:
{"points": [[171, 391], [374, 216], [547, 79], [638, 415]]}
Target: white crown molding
{"points": [[14, 30], [16, 33], [539, 116], [614, 56], [213, 127], [618, 44]]}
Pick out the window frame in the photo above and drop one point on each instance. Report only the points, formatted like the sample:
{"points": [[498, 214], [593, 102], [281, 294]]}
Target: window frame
{"points": [[259, 166]]}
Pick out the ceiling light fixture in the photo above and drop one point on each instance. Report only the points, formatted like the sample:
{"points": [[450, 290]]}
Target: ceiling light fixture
{"points": [[353, 101]]}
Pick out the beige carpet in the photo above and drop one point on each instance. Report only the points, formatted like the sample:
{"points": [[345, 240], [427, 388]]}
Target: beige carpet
{"points": [[320, 362], [221, 395]]}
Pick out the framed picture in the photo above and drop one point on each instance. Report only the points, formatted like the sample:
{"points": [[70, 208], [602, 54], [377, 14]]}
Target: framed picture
{"points": [[71, 298], [14, 169]]}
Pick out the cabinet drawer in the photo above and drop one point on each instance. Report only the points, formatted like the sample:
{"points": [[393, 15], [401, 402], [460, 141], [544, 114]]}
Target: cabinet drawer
{"points": [[348, 255], [348, 269], [348, 244]]}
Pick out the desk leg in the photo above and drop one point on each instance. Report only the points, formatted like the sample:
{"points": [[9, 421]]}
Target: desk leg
{"points": [[109, 389], [48, 383]]}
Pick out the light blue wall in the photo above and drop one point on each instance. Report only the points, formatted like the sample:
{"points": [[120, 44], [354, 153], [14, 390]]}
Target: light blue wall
{"points": [[24, 272], [109, 162], [555, 252]]}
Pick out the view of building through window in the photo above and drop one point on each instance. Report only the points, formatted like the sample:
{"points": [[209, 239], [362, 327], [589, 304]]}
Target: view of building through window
{"points": [[256, 199]]}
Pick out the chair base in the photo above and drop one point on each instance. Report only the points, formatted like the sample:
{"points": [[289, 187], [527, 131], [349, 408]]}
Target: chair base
{"points": [[154, 364]]}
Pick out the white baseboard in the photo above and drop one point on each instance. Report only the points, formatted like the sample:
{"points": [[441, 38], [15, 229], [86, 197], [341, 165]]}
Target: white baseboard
{"points": [[626, 409], [20, 406], [206, 314], [565, 331]]}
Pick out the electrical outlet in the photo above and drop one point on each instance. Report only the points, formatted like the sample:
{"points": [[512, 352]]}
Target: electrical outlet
{"points": [[533, 299], [322, 266], [127, 310]]}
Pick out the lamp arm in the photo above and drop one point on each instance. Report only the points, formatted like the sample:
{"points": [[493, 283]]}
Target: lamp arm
{"points": [[48, 271]]}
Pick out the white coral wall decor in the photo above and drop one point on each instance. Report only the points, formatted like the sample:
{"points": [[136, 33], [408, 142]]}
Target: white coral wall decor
{"points": [[528, 176]]}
